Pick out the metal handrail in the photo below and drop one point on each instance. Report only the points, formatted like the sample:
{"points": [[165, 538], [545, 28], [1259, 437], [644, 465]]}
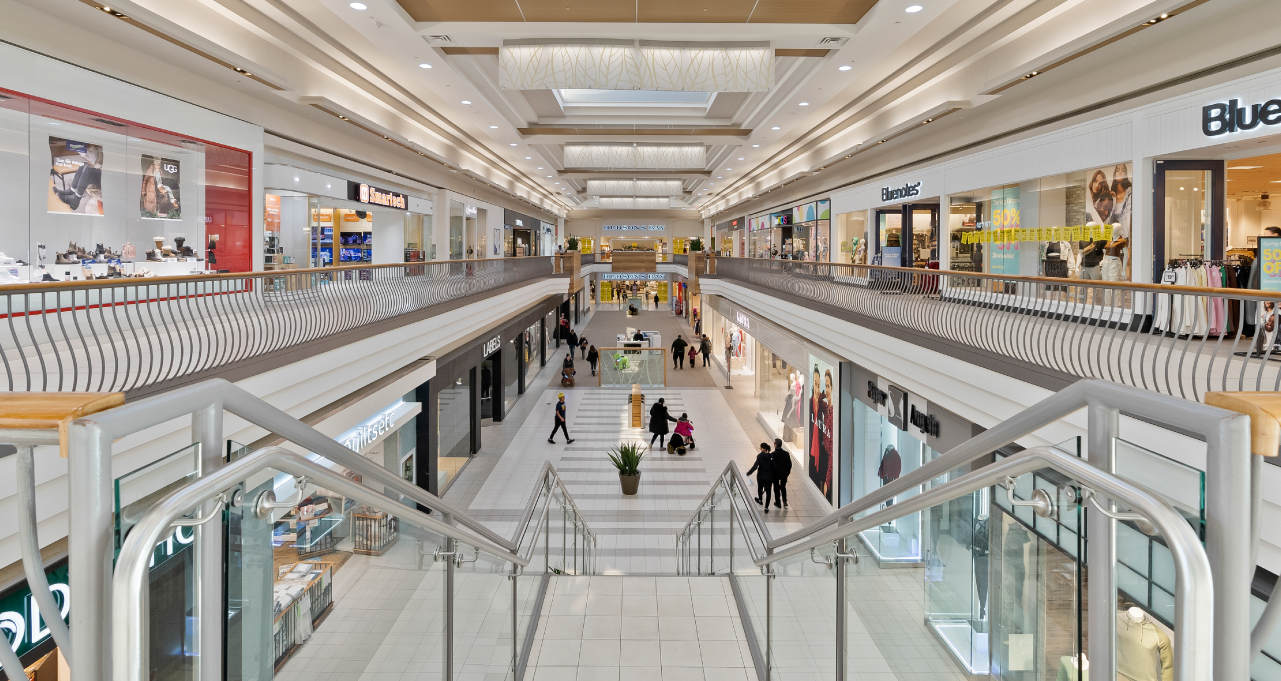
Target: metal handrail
{"points": [[1194, 611], [130, 592], [1177, 340], [129, 333], [737, 481], [547, 472]]}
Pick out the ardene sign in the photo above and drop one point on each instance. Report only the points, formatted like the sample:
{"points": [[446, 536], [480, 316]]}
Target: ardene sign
{"points": [[1223, 117], [380, 197], [907, 191]]}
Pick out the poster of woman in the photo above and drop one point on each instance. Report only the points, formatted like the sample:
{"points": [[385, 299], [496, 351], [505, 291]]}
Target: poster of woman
{"points": [[1109, 202], [820, 433], [159, 199]]}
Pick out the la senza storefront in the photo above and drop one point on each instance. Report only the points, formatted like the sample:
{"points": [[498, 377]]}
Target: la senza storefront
{"points": [[95, 196], [795, 383]]}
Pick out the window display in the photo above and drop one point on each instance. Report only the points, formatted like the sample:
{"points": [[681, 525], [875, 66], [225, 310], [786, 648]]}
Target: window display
{"points": [[453, 429], [1073, 226], [116, 198], [880, 454], [529, 353]]}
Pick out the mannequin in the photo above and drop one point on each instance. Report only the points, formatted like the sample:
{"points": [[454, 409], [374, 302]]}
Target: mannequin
{"points": [[1143, 650], [1071, 670]]}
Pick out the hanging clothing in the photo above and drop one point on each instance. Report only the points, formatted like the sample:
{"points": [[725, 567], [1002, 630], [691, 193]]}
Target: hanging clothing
{"points": [[891, 466]]}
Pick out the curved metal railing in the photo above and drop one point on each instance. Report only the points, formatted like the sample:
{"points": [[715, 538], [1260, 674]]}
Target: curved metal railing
{"points": [[122, 334], [1178, 340]]}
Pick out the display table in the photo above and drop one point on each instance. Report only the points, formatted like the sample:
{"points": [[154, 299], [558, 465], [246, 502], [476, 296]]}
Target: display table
{"points": [[374, 532], [303, 598]]}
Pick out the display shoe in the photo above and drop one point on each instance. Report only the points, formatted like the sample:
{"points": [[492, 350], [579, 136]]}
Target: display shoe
{"points": [[62, 259], [152, 257]]}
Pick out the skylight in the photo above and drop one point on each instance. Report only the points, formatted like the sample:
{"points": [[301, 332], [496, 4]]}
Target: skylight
{"points": [[634, 98]]}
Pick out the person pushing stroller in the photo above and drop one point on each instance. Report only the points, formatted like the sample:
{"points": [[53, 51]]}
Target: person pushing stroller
{"points": [[683, 436]]}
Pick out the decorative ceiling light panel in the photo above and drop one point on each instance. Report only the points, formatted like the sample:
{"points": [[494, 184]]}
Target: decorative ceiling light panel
{"points": [[634, 187], [627, 157], [634, 204], [635, 65], [717, 67]]}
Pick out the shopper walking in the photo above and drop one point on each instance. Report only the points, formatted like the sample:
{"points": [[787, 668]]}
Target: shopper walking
{"points": [[693, 356], [658, 418], [764, 470], [698, 323], [705, 347], [592, 357], [655, 301], [782, 468], [678, 352], [582, 345], [560, 421], [573, 341]]}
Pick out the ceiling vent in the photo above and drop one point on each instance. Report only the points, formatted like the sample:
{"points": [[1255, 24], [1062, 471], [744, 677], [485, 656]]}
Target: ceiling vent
{"points": [[438, 40], [832, 42]]}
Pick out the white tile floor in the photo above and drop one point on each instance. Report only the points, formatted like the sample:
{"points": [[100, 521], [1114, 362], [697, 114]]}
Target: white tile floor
{"points": [[641, 628]]}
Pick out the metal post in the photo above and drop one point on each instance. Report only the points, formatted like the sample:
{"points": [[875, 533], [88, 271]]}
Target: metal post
{"points": [[515, 620], [1104, 423], [731, 529], [206, 431], [32, 563], [711, 538], [1227, 511], [449, 610], [698, 527], [89, 547], [840, 610], [769, 622]]}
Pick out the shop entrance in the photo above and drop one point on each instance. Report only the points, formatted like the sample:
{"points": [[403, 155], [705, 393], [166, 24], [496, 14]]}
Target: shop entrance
{"points": [[521, 243], [918, 247], [1188, 208], [489, 378]]}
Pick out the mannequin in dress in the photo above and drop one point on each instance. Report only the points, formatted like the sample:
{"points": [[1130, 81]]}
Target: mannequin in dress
{"points": [[1143, 650]]}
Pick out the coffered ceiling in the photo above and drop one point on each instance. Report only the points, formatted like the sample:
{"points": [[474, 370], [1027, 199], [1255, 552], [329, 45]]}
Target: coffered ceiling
{"points": [[641, 11]]}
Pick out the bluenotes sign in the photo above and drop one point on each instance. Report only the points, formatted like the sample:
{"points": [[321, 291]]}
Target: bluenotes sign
{"points": [[907, 191], [1221, 118]]}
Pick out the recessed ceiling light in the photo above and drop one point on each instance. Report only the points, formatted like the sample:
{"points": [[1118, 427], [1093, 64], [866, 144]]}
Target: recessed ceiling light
{"points": [[493, 127], [718, 177], [512, 144], [1243, 167], [358, 5], [424, 66], [774, 128], [540, 167], [555, 183], [466, 101], [804, 104], [913, 9], [756, 146], [844, 67], [740, 158], [549, 177], [529, 158]]}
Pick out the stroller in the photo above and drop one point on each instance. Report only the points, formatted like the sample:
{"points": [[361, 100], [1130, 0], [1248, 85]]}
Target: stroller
{"points": [[682, 438]]}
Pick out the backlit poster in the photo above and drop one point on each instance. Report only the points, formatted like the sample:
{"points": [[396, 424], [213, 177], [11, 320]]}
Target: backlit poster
{"points": [[606, 291], [1270, 263], [1005, 219], [75, 178], [1108, 202], [271, 213], [159, 199], [821, 427]]}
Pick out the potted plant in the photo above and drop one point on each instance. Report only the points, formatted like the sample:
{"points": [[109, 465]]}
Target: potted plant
{"points": [[696, 244], [571, 244], [626, 458]]}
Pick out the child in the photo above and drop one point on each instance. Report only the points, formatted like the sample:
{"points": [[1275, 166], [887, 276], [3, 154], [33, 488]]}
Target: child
{"points": [[693, 355]]}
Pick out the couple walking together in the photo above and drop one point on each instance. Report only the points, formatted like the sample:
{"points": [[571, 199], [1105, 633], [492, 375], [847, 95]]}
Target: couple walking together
{"points": [[771, 469]]}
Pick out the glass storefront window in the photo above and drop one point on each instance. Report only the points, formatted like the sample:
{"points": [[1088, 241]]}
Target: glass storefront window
{"points": [[850, 236], [511, 375], [1074, 226], [453, 429], [456, 230], [529, 351], [880, 453], [90, 195], [780, 391]]}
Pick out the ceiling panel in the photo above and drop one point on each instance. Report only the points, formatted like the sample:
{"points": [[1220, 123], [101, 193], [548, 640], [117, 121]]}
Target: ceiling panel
{"points": [[577, 10], [810, 11], [695, 11], [462, 10]]}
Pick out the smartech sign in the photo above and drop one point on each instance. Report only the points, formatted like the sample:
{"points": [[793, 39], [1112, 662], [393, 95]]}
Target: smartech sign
{"points": [[907, 191], [379, 197], [1222, 118]]}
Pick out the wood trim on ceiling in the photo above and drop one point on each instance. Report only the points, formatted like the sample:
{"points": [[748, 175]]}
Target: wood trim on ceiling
{"points": [[637, 132], [800, 53], [469, 51]]}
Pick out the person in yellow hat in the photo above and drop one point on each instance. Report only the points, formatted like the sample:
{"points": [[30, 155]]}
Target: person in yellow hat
{"points": [[560, 421]]}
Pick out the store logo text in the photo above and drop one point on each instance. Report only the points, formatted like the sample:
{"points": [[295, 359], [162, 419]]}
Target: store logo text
{"points": [[924, 422], [907, 191], [1224, 117], [743, 320], [876, 395]]}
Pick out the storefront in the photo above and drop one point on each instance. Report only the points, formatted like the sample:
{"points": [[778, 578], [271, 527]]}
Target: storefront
{"points": [[94, 196], [476, 384], [317, 220], [520, 234], [729, 238], [800, 232], [795, 385], [620, 289]]}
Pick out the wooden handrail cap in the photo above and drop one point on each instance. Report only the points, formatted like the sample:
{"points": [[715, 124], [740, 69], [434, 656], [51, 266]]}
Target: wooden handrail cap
{"points": [[48, 410], [1264, 410]]}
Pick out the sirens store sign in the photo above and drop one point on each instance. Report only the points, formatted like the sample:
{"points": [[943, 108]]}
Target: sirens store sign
{"points": [[1224, 117]]}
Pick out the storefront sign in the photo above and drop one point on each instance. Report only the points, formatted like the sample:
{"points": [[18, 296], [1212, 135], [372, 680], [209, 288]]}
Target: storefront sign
{"points": [[364, 434], [924, 422], [1224, 117], [633, 228], [470, 211], [20, 615], [633, 276], [1270, 259], [743, 320], [491, 346], [876, 395], [380, 197], [907, 191]]}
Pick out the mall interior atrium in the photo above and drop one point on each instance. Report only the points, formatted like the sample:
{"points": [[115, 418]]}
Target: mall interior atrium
{"points": [[640, 340]]}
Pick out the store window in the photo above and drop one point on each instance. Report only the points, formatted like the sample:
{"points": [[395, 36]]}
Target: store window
{"points": [[850, 235], [529, 353], [457, 230], [453, 429], [95, 196], [1074, 226], [881, 453], [511, 375]]}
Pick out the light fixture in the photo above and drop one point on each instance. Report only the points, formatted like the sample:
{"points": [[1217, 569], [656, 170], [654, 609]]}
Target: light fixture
{"points": [[1180, 188], [466, 101], [555, 183], [774, 128], [1243, 167], [512, 144], [718, 177], [358, 5], [493, 127], [540, 168], [756, 146], [424, 66], [740, 158], [913, 9], [529, 158], [844, 67], [804, 104], [549, 177]]}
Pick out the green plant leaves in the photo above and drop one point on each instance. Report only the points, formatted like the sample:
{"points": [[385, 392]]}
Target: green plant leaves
{"points": [[626, 457]]}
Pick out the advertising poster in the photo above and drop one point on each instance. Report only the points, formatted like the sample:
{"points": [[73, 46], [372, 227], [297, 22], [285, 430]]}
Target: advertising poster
{"points": [[1270, 261], [271, 213], [1109, 201], [820, 430], [159, 199], [75, 177], [1005, 220], [606, 291]]}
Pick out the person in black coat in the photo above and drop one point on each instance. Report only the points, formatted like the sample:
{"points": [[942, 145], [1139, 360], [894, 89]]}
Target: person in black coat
{"points": [[658, 418], [678, 352], [782, 468], [764, 470]]}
